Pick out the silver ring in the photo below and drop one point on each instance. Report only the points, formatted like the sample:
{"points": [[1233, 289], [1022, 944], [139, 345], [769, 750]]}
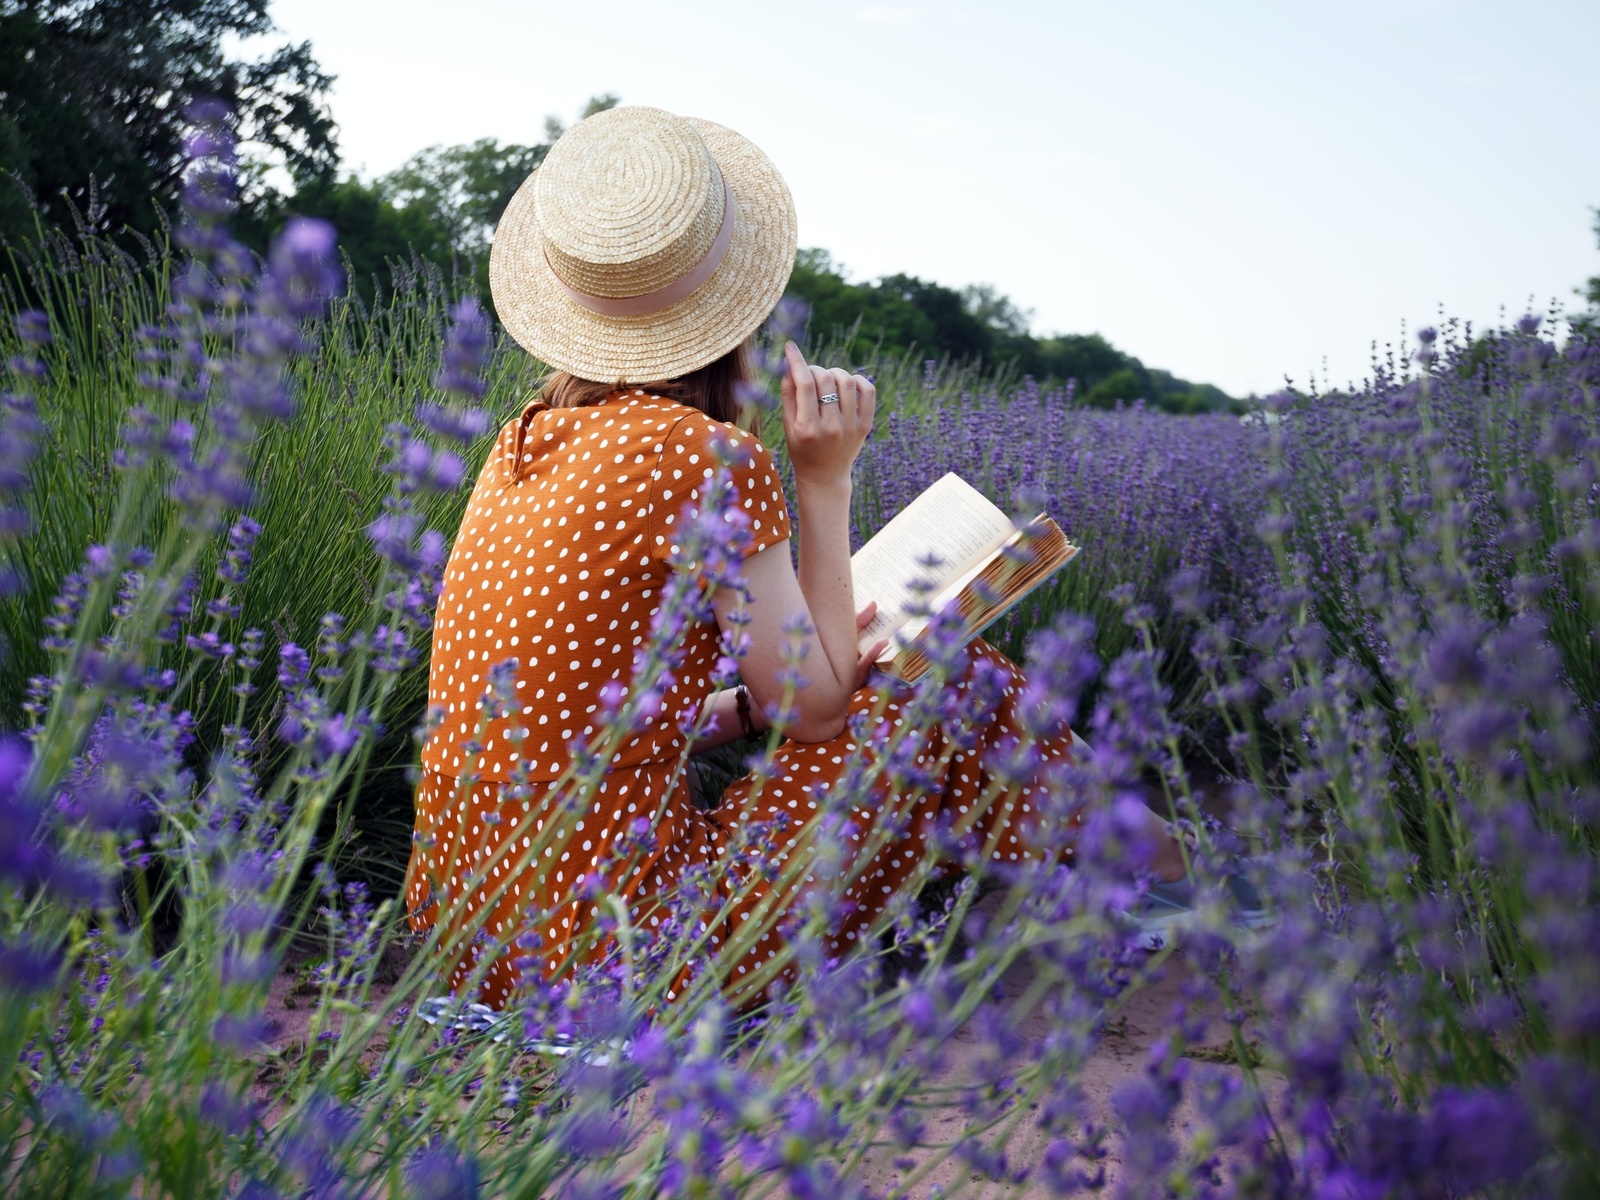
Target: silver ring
{"points": [[830, 398]]}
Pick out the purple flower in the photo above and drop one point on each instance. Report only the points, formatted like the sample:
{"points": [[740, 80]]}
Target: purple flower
{"points": [[335, 737], [32, 327], [303, 268], [419, 467], [30, 855], [27, 966], [242, 1034], [224, 1109], [294, 665], [1455, 658], [920, 1011], [438, 1173], [1483, 1137], [652, 1052], [466, 344], [20, 432], [70, 1112], [393, 537], [464, 425], [241, 543], [210, 645]]}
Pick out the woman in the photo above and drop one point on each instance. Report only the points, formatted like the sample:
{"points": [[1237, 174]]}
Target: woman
{"points": [[638, 261]]}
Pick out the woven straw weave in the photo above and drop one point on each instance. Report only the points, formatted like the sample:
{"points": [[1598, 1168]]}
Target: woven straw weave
{"points": [[627, 202]]}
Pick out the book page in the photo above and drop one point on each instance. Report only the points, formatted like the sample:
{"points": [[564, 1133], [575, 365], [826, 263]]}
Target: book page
{"points": [[951, 519]]}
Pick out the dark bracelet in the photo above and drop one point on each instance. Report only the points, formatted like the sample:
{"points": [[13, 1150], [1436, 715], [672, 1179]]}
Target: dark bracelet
{"points": [[741, 698]]}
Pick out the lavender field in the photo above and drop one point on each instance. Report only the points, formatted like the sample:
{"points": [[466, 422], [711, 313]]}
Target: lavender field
{"points": [[1352, 641]]}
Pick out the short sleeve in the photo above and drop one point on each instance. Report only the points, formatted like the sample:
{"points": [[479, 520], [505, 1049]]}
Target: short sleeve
{"points": [[690, 454]]}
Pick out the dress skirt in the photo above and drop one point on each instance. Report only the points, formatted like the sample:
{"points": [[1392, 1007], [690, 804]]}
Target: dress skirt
{"points": [[638, 838]]}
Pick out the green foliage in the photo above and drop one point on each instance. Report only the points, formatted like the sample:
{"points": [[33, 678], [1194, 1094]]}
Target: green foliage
{"points": [[1129, 501], [1086, 357], [319, 479], [15, 198], [95, 93], [440, 206], [374, 232], [904, 315], [462, 190], [1592, 293], [1122, 386], [956, 332], [1588, 324], [856, 320], [1386, 1007], [1435, 542]]}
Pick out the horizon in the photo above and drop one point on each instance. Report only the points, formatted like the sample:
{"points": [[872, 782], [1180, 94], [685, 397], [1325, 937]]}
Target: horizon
{"points": [[1254, 194]]}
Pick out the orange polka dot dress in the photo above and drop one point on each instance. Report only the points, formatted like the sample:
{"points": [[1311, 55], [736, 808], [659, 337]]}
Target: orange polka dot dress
{"points": [[553, 579]]}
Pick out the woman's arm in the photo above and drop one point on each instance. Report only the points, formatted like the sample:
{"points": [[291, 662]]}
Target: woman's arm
{"points": [[722, 707], [823, 441], [724, 725]]}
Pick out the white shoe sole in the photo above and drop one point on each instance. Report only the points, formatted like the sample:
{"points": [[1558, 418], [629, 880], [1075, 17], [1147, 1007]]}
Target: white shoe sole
{"points": [[1160, 932], [481, 1019]]}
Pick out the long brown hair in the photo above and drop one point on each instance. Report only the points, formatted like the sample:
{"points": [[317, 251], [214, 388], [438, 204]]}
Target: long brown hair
{"points": [[713, 389]]}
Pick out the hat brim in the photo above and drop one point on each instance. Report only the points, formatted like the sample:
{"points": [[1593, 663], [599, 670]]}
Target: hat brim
{"points": [[675, 340]]}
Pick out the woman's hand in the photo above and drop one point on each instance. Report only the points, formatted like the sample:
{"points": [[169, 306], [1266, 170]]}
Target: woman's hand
{"points": [[824, 439], [866, 662]]}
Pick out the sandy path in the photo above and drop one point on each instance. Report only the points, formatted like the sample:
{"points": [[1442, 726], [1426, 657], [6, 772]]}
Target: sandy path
{"points": [[1118, 1056]]}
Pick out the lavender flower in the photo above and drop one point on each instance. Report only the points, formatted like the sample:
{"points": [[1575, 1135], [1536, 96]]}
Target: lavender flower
{"points": [[437, 1173], [241, 544]]}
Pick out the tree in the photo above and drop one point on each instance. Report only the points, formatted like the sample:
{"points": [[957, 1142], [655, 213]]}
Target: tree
{"points": [[441, 204], [957, 332], [93, 95], [1588, 324], [1122, 386], [902, 313], [1086, 357], [1593, 291], [373, 231], [996, 311], [855, 319], [462, 190]]}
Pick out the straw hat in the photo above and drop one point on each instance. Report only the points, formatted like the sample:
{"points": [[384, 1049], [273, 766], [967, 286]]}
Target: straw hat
{"points": [[646, 246]]}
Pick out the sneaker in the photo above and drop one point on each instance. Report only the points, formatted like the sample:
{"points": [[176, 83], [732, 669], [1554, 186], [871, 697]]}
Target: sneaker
{"points": [[1169, 907], [480, 1019]]}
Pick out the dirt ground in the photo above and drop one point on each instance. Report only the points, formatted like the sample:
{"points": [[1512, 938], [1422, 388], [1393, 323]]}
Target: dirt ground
{"points": [[1118, 1057]]}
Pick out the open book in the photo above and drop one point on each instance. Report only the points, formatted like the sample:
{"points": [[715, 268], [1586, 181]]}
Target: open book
{"points": [[985, 565]]}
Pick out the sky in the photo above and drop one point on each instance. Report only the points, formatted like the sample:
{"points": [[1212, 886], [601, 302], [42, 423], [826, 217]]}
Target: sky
{"points": [[1240, 193]]}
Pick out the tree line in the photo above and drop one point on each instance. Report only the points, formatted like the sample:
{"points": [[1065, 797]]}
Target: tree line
{"points": [[92, 101], [1588, 323], [905, 314]]}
